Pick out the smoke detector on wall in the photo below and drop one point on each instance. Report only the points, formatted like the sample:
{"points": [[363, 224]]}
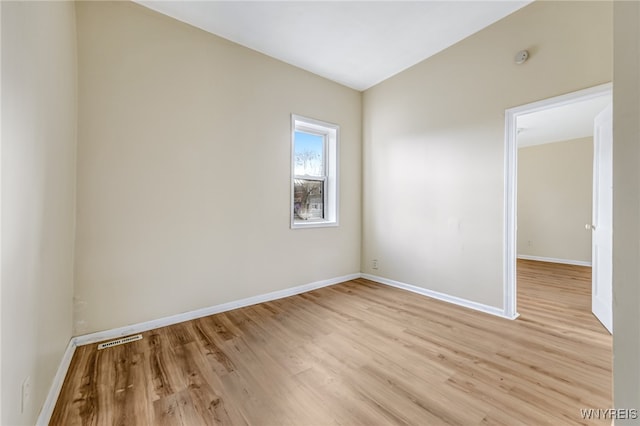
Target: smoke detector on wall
{"points": [[521, 57]]}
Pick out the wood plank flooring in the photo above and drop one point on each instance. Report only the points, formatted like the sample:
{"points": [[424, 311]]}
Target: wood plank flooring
{"points": [[358, 353]]}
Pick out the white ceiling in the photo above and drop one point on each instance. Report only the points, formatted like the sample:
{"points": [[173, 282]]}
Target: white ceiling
{"points": [[355, 43], [562, 123]]}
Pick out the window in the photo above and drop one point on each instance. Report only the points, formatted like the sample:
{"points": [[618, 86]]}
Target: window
{"points": [[314, 169]]}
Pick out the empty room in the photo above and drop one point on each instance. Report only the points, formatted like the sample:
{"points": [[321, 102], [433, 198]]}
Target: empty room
{"points": [[315, 213]]}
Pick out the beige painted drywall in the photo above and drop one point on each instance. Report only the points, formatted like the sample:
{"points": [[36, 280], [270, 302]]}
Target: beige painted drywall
{"points": [[433, 144], [626, 208], [184, 167], [555, 183], [38, 197]]}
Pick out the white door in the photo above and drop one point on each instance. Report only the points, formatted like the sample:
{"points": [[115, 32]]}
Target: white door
{"points": [[601, 251]]}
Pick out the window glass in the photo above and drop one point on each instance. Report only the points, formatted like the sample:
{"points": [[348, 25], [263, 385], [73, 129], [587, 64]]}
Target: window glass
{"points": [[309, 154], [308, 201]]}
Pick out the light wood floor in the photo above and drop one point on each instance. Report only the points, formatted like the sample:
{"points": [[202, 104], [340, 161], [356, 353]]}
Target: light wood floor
{"points": [[358, 353]]}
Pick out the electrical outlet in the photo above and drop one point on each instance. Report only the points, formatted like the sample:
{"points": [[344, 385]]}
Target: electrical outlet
{"points": [[374, 264], [529, 243], [26, 394]]}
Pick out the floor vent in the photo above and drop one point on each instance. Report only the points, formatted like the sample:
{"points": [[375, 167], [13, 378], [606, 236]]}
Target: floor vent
{"points": [[121, 341]]}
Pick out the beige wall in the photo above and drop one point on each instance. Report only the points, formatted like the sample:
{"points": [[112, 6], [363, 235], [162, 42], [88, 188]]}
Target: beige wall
{"points": [[433, 136], [626, 208], [555, 184], [38, 191], [184, 166]]}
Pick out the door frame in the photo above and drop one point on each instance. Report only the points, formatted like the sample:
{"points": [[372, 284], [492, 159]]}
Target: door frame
{"points": [[511, 181]]}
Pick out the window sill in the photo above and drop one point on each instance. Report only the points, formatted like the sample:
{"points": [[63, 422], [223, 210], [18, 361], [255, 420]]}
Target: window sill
{"points": [[314, 224]]}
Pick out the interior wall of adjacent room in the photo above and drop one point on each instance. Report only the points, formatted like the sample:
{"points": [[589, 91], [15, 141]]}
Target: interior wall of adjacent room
{"points": [[184, 168], [38, 198], [626, 208], [433, 153], [555, 182]]}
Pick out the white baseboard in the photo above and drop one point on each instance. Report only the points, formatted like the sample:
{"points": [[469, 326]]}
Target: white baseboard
{"points": [[54, 391], [199, 313], [56, 386], [554, 260], [441, 296]]}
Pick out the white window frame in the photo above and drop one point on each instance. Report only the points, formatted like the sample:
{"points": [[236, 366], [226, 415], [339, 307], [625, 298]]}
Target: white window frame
{"points": [[330, 132]]}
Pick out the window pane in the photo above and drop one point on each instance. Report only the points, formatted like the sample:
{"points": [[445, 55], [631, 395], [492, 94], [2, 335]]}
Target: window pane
{"points": [[308, 199], [309, 154]]}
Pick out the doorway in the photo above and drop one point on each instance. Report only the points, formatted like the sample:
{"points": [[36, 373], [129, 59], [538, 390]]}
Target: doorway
{"points": [[512, 118]]}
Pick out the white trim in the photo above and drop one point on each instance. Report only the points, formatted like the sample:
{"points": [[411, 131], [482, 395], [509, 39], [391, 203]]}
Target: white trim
{"points": [[441, 296], [510, 213], [510, 180], [199, 313], [58, 381], [554, 260], [56, 386]]}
